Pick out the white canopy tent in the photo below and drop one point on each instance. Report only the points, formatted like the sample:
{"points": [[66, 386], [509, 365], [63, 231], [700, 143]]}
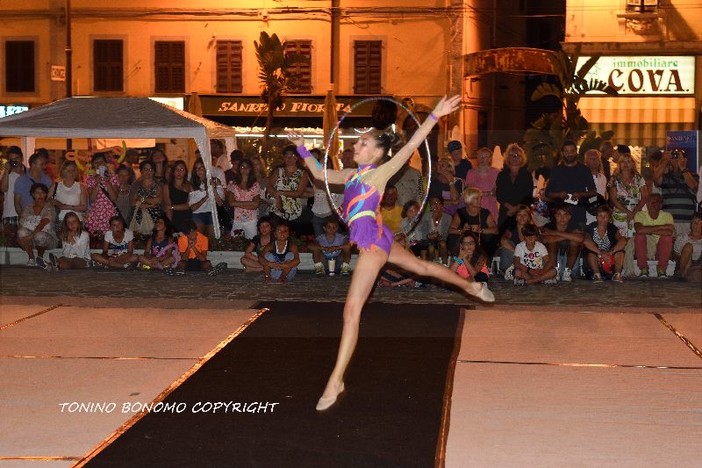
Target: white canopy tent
{"points": [[116, 118]]}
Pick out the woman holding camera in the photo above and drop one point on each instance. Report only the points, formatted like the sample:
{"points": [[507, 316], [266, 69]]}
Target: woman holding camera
{"points": [[102, 191]]}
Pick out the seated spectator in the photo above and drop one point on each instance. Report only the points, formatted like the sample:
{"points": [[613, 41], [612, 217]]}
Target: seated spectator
{"points": [[102, 193], [76, 245], [243, 195], [36, 226], [434, 228], [409, 234], [470, 263], [331, 251], [280, 258], [688, 247], [562, 237], [36, 174], [532, 262], [654, 233], [161, 252], [605, 246], [390, 210], [476, 219], [199, 199], [118, 247], [68, 194], [390, 278], [512, 236], [192, 248], [264, 237]]}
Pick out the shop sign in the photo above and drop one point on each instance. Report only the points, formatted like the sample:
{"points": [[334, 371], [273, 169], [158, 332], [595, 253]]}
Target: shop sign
{"points": [[645, 75], [294, 106], [12, 109]]}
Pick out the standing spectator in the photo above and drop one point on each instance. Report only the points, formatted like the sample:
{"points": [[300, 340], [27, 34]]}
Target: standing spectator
{"points": [[280, 258], [679, 188], [35, 175], [243, 195], [219, 161], [654, 233], [628, 194], [347, 161], [445, 184], [484, 177], [476, 219], [76, 245], [607, 151], [322, 206], [36, 226], [175, 197], [235, 157], [286, 185], [408, 181], [13, 169], [390, 210], [331, 251], [162, 170], [124, 192], [688, 246], [118, 247], [563, 238], [571, 182], [605, 247], [68, 194], [199, 199], [102, 192], [593, 161], [460, 164], [250, 259], [261, 175], [532, 263], [514, 185], [146, 196]]}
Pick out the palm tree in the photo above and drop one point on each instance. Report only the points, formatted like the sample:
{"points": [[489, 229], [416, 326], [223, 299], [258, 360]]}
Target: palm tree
{"points": [[276, 76], [569, 123]]}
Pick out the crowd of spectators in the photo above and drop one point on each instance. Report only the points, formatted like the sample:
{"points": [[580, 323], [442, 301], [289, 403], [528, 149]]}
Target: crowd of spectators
{"points": [[593, 217]]}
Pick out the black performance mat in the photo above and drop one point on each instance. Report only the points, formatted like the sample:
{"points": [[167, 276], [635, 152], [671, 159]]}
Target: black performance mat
{"points": [[267, 382]]}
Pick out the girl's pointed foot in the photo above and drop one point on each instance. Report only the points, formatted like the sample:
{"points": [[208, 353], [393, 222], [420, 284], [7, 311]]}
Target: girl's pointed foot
{"points": [[484, 293], [327, 401]]}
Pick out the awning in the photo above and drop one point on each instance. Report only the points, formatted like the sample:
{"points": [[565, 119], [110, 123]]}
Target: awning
{"points": [[639, 121]]}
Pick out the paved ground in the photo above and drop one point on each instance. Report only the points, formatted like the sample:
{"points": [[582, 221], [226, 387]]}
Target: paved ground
{"points": [[191, 289]]}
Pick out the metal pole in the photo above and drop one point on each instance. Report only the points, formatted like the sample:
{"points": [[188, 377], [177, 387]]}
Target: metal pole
{"points": [[334, 62], [69, 62]]}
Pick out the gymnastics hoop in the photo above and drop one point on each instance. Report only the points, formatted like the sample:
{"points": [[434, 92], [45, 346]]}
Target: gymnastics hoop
{"points": [[337, 209]]}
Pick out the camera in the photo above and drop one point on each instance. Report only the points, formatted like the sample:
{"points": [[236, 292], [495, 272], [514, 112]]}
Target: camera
{"points": [[677, 154], [102, 170], [14, 163]]}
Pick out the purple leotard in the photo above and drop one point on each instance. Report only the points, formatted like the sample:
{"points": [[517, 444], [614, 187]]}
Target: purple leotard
{"points": [[360, 211]]}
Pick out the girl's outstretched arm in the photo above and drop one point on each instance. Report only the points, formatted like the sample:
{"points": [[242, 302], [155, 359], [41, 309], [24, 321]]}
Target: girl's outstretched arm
{"points": [[314, 166]]}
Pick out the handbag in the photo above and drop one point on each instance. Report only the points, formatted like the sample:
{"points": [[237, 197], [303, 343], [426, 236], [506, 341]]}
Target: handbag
{"points": [[141, 222]]}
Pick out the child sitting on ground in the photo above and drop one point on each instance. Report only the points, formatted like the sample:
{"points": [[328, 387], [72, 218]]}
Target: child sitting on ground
{"points": [[280, 258], [118, 246], [331, 251], [264, 237], [160, 251], [470, 263], [532, 263], [76, 245], [192, 247]]}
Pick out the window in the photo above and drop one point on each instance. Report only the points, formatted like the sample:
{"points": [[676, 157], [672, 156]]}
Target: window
{"points": [[20, 67], [301, 72], [229, 67], [108, 65], [641, 6], [367, 61], [170, 67]]}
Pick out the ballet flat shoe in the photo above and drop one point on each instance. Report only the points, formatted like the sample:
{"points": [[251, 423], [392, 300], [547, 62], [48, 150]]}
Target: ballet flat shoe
{"points": [[485, 294], [325, 403]]}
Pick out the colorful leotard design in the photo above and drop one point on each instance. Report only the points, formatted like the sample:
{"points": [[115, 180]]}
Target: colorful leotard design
{"points": [[360, 211]]}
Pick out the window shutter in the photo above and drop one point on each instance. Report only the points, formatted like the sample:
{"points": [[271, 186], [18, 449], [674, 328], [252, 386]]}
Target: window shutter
{"points": [[20, 67], [170, 67], [108, 65], [302, 83], [368, 67], [229, 67]]}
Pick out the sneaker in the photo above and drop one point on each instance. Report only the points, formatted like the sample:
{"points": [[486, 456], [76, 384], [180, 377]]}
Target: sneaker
{"points": [[643, 273], [566, 276], [218, 268], [31, 263], [345, 269], [617, 278], [52, 260], [318, 269], [519, 282], [40, 262], [509, 273], [169, 271], [597, 278], [662, 274], [551, 281]]}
